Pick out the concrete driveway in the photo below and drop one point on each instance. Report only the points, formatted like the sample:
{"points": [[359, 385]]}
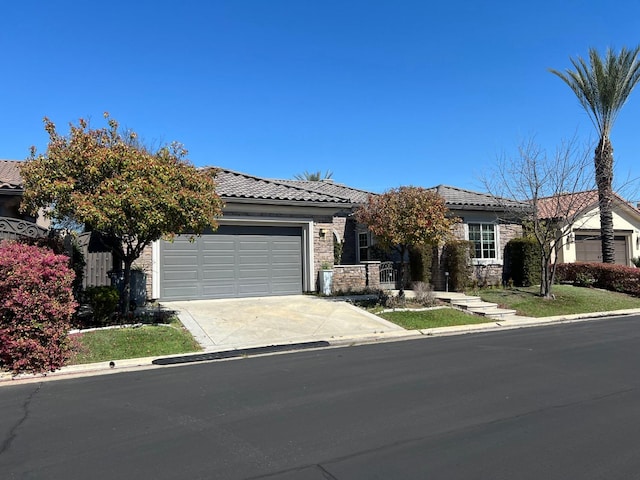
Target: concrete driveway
{"points": [[252, 322]]}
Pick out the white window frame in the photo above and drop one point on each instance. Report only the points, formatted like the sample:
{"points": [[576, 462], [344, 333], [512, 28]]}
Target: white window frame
{"points": [[496, 238]]}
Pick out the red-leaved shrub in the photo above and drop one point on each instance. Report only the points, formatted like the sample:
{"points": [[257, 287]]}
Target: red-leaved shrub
{"points": [[36, 307], [608, 276]]}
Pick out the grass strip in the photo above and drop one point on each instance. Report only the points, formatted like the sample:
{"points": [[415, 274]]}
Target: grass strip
{"points": [[441, 317], [568, 300], [132, 342]]}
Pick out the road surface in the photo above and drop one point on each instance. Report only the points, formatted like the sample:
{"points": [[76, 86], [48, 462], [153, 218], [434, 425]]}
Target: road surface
{"points": [[559, 402]]}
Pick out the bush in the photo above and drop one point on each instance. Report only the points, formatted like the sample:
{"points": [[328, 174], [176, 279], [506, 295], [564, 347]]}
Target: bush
{"points": [[423, 294], [522, 262], [103, 302], [36, 308], [420, 261], [457, 261], [608, 276]]}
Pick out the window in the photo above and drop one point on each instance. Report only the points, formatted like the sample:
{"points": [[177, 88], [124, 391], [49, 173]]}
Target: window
{"points": [[483, 235], [363, 246]]}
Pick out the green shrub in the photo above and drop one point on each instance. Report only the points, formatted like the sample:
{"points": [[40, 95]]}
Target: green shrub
{"points": [[420, 261], [457, 261], [522, 262], [103, 302]]}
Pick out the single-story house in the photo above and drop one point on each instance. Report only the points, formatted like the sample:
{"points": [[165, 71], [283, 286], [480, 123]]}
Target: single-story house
{"points": [[579, 222], [275, 236], [486, 221], [14, 224]]}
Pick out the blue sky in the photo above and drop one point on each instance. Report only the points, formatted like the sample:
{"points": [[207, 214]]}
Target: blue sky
{"points": [[382, 93]]}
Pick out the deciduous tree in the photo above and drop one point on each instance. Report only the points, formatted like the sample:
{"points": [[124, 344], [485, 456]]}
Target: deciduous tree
{"points": [[542, 190], [406, 217], [106, 180]]}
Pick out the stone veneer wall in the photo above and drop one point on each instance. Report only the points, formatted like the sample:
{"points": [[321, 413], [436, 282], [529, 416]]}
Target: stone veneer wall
{"points": [[145, 263], [356, 278], [322, 243]]}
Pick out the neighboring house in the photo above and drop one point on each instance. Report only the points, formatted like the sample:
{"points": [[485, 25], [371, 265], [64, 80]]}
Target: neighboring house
{"points": [[487, 222], [580, 227], [14, 224]]}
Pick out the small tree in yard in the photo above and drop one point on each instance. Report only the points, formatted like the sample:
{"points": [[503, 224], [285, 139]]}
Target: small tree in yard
{"points": [[406, 217], [36, 307], [548, 183], [110, 183]]}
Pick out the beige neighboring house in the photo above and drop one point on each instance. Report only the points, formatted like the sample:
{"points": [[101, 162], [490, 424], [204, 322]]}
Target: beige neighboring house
{"points": [[580, 226], [14, 224]]}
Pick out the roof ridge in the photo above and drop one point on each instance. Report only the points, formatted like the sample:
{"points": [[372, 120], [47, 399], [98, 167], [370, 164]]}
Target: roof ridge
{"points": [[271, 180]]}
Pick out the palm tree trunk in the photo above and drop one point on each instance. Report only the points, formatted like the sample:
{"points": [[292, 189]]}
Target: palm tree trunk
{"points": [[604, 178]]}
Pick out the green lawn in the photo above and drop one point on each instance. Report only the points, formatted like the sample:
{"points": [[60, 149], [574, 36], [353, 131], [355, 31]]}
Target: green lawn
{"points": [[144, 341], [568, 300], [441, 317]]}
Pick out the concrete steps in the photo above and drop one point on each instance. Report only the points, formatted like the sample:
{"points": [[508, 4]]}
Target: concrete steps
{"points": [[474, 305]]}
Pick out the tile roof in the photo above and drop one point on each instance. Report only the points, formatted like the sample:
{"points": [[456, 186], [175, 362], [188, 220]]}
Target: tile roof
{"points": [[570, 204], [238, 185], [461, 199], [10, 174], [329, 187]]}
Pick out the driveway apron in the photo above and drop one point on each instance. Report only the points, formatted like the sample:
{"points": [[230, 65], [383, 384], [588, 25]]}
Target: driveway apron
{"points": [[251, 322]]}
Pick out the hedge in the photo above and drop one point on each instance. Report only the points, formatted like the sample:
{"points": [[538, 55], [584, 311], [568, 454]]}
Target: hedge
{"points": [[522, 262], [608, 276]]}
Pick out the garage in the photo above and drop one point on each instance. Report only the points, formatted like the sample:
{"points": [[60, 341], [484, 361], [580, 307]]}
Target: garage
{"points": [[589, 249], [235, 261]]}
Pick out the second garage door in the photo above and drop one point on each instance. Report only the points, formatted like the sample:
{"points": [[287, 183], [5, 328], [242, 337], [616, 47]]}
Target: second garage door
{"points": [[589, 249], [235, 261]]}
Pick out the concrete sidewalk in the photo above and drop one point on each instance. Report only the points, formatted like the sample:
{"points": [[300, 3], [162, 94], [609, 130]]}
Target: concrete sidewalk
{"points": [[336, 322]]}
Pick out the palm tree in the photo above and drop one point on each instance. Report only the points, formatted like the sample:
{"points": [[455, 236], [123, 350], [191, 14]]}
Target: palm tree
{"points": [[314, 176], [602, 87]]}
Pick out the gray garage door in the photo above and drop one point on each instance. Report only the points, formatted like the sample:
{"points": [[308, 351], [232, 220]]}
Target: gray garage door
{"points": [[235, 261], [589, 249]]}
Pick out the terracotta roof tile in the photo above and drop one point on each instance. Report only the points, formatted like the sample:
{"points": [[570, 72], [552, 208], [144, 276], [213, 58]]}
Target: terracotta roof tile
{"points": [[569, 204], [10, 174]]}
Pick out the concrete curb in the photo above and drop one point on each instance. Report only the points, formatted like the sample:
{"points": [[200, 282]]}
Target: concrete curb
{"points": [[146, 363]]}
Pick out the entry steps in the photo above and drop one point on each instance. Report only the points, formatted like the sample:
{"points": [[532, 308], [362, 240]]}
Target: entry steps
{"points": [[474, 305]]}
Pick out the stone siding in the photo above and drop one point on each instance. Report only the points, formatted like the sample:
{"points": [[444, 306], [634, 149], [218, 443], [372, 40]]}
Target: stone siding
{"points": [[356, 278]]}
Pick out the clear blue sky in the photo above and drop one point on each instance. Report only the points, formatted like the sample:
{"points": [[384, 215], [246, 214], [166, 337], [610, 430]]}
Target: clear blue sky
{"points": [[382, 93]]}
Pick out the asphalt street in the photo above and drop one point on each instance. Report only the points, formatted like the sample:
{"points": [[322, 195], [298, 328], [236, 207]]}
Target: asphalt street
{"points": [[553, 402]]}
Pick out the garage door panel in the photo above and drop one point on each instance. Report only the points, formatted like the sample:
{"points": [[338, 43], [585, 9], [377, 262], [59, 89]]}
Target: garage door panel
{"points": [[180, 275], [219, 274], [589, 249], [240, 264], [211, 292], [179, 260]]}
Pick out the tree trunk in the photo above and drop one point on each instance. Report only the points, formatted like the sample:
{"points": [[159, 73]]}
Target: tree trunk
{"points": [[125, 305], [604, 179], [403, 250]]}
